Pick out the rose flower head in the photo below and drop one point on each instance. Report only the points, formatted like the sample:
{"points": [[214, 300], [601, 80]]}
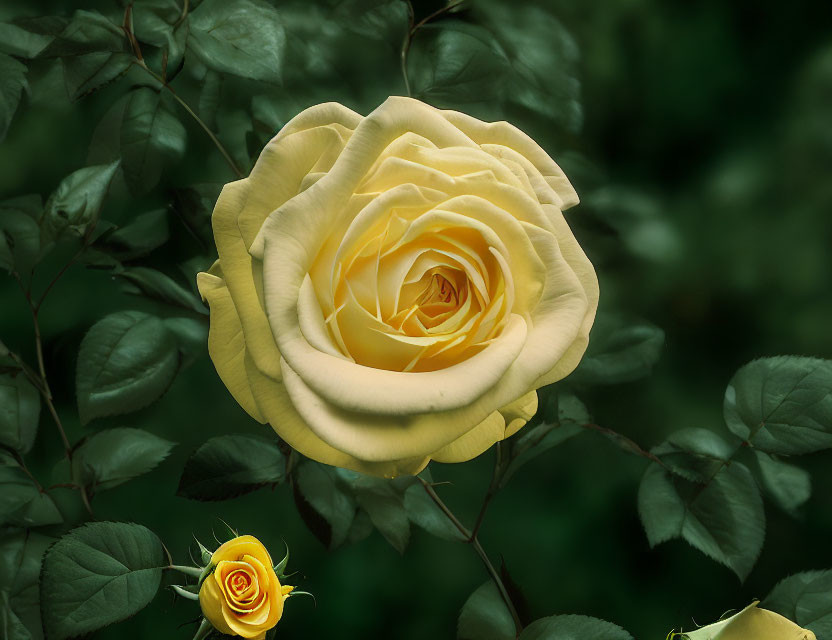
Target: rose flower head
{"points": [[240, 593], [392, 289]]}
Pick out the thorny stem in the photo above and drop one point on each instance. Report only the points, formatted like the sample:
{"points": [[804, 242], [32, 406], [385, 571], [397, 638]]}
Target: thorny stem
{"points": [[471, 538], [42, 381]]}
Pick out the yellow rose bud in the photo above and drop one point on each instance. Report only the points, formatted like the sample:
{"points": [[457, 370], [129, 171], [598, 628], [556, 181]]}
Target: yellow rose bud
{"points": [[393, 289], [752, 623], [243, 595]]}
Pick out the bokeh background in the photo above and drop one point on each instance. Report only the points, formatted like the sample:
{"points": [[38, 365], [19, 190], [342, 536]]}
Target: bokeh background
{"points": [[699, 136]]}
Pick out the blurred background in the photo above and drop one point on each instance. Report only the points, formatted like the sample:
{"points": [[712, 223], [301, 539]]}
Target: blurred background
{"points": [[699, 136]]}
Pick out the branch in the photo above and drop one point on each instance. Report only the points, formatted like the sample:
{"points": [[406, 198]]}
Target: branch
{"points": [[472, 539], [192, 113], [624, 442], [496, 478], [414, 28], [42, 382]]}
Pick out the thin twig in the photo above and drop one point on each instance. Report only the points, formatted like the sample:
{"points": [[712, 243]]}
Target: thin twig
{"points": [[131, 38], [411, 33], [60, 273], [22, 463], [631, 445], [475, 543], [193, 114], [43, 386], [492, 488], [408, 38]]}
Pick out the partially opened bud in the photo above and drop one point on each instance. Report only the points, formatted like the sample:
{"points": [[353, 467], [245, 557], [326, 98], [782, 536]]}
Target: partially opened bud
{"points": [[242, 595], [752, 623]]}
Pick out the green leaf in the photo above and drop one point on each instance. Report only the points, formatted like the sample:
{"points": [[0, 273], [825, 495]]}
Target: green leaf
{"points": [[20, 241], [19, 412], [571, 627], [229, 466], [76, 204], [157, 23], [782, 405], [21, 554], [114, 456], [88, 73], [376, 19], [93, 51], [158, 286], [191, 336], [126, 361], [787, 485], [694, 454], [543, 57], [562, 415], [209, 98], [12, 81], [384, 503], [140, 236], [87, 32], [424, 512], [484, 616], [457, 65], [98, 574], [620, 350], [18, 41], [806, 599], [711, 502], [241, 37], [193, 206], [21, 504], [234, 128], [151, 139], [318, 485]]}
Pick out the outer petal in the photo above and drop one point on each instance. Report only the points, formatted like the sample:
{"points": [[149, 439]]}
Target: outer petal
{"points": [[475, 441], [212, 601], [226, 342], [508, 135], [273, 401], [519, 412]]}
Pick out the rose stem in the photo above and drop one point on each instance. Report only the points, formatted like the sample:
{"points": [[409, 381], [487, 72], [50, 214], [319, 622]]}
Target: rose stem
{"points": [[472, 539]]}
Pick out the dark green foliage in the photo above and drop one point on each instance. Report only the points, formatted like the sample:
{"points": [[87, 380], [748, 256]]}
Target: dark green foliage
{"points": [[701, 152], [22, 503], [484, 616], [622, 350], [782, 405], [572, 627], [99, 574], [126, 361], [19, 411], [228, 466], [20, 561], [114, 456], [805, 598]]}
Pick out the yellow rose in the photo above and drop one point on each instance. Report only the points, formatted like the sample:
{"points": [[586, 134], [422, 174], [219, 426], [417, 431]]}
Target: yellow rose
{"points": [[242, 596], [394, 288], [752, 623]]}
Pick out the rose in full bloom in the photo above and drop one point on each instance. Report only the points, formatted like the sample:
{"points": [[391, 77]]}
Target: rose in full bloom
{"points": [[752, 623], [393, 288], [242, 596]]}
